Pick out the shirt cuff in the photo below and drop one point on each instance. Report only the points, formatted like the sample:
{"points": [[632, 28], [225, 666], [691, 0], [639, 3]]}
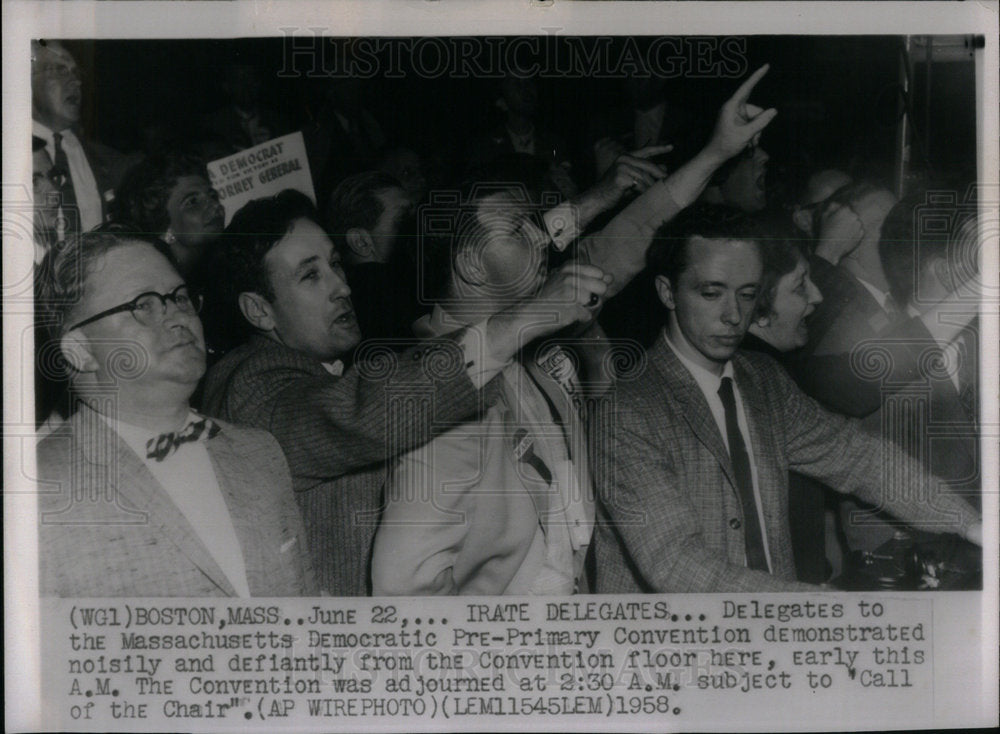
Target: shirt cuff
{"points": [[563, 224], [480, 364]]}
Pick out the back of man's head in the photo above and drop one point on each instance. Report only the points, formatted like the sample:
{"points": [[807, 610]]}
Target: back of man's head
{"points": [[928, 228], [355, 204]]}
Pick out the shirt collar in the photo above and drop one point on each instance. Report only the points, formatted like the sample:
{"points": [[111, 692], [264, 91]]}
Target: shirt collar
{"points": [[41, 131], [877, 293], [137, 437], [709, 382], [335, 368]]}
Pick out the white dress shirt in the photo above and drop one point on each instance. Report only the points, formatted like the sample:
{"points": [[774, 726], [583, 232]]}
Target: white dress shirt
{"points": [[189, 479], [709, 384], [88, 195]]}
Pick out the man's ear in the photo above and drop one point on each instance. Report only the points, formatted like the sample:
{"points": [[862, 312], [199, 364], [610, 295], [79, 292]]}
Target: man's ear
{"points": [[257, 311], [76, 351], [665, 291], [941, 269], [469, 267], [360, 242]]}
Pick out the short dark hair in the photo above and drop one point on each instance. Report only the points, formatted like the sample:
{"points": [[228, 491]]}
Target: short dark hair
{"points": [[780, 255], [355, 203], [668, 253], [253, 231], [141, 199], [924, 225]]}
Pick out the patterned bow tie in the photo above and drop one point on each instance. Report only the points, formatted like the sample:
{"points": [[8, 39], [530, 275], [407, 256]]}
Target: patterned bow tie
{"points": [[165, 444]]}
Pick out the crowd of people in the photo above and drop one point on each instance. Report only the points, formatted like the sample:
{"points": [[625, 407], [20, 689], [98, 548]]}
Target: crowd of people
{"points": [[638, 380]]}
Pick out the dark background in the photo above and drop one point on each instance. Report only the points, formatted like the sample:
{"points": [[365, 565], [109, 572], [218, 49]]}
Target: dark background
{"points": [[837, 99]]}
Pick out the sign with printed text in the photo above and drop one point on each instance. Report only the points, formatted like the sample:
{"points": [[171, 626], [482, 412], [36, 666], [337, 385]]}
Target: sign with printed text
{"points": [[263, 170]]}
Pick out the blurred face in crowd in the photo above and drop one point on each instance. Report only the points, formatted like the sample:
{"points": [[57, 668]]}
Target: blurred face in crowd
{"points": [[172, 348], [405, 165], [520, 95], [311, 311], [820, 187], [711, 305], [745, 186], [396, 208], [56, 90], [511, 251], [795, 297], [872, 209], [196, 216]]}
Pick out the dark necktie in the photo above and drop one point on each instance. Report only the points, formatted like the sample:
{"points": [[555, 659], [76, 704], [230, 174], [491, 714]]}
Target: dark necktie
{"points": [[756, 558], [165, 444], [61, 164]]}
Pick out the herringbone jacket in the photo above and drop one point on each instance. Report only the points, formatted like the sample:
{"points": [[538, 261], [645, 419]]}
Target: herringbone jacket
{"points": [[672, 520]]}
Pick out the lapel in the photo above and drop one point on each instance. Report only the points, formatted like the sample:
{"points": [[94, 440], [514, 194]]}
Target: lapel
{"points": [[762, 447], [131, 480], [679, 385], [234, 475], [569, 418], [97, 169], [518, 415]]}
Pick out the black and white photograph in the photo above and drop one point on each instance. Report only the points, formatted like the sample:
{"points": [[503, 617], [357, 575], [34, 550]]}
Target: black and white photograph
{"points": [[663, 333]]}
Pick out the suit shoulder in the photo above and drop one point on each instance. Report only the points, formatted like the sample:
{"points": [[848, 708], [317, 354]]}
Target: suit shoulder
{"points": [[54, 450], [259, 356], [761, 369], [247, 436], [250, 373], [758, 361]]}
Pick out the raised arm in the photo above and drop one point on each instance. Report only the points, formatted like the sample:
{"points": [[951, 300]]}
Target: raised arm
{"points": [[620, 248]]}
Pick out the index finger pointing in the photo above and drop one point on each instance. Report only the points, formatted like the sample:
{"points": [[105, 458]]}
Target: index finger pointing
{"points": [[743, 93]]}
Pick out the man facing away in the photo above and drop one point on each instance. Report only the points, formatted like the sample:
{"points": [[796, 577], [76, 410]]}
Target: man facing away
{"points": [[504, 504], [694, 480], [139, 495]]}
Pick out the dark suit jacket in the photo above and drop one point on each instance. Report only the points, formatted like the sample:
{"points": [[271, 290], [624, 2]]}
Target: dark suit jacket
{"points": [[108, 167], [108, 528], [338, 432], [665, 481], [890, 375]]}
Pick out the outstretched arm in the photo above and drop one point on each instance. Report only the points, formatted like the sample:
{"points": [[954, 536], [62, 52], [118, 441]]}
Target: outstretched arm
{"points": [[620, 248]]}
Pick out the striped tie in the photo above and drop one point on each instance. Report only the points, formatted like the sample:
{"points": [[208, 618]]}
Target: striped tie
{"points": [[165, 444]]}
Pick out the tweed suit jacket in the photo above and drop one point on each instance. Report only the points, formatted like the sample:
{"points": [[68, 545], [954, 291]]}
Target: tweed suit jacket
{"points": [[666, 485], [338, 432], [108, 528]]}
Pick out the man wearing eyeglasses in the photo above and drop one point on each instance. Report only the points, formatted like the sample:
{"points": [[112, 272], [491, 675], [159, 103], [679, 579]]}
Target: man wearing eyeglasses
{"points": [[139, 495], [88, 171]]}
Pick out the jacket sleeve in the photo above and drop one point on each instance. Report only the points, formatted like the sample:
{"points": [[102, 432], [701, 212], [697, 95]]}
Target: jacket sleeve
{"points": [[645, 497], [856, 383], [839, 453], [620, 248], [384, 405]]}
